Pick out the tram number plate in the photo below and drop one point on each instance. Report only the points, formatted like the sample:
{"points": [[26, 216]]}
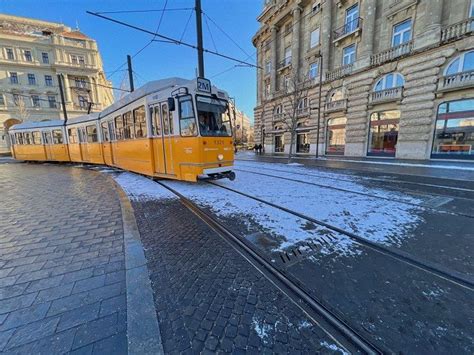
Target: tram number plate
{"points": [[219, 142], [204, 85]]}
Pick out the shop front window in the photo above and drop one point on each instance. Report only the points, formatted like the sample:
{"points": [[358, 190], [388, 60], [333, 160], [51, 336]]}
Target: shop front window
{"points": [[302, 143], [336, 136], [383, 133], [279, 144], [454, 132]]}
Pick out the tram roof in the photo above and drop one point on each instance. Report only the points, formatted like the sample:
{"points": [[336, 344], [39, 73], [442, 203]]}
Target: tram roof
{"points": [[148, 88], [83, 118], [36, 124]]}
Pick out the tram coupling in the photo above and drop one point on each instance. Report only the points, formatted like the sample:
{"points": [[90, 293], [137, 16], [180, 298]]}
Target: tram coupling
{"points": [[226, 174]]}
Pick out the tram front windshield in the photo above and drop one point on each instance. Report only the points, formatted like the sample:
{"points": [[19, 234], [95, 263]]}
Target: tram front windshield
{"points": [[213, 117]]}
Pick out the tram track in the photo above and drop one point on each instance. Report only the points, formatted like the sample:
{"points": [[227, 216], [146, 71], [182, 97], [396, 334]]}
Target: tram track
{"points": [[331, 323], [437, 270], [457, 189], [357, 193]]}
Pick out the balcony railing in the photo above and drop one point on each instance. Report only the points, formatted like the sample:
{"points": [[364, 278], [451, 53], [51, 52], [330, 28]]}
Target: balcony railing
{"points": [[284, 63], [302, 111], [392, 53], [339, 72], [348, 28], [457, 30], [454, 81], [392, 94], [337, 105]]}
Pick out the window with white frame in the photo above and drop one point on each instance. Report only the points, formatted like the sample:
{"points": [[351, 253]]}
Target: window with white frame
{"points": [[352, 16], [74, 59], [48, 80], [45, 57], [349, 54], [471, 14], [2, 100], [31, 79], [462, 63], [10, 54], [389, 81], [268, 67], [287, 55], [52, 101], [278, 109], [401, 33], [314, 38], [303, 103], [83, 102], [81, 60], [316, 7], [27, 55], [35, 100], [13, 77], [313, 70]]}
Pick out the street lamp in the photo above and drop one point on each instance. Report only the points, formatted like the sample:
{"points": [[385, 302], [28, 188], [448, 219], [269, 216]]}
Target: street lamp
{"points": [[319, 102]]}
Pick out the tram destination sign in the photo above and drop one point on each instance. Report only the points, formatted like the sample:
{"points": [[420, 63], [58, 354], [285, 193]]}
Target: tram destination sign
{"points": [[204, 85]]}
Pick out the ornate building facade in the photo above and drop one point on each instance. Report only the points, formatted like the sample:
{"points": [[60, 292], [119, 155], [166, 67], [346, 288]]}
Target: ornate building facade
{"points": [[32, 54], [394, 78]]}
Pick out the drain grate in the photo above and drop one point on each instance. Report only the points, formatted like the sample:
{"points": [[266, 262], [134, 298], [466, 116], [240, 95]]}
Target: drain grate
{"points": [[298, 252]]}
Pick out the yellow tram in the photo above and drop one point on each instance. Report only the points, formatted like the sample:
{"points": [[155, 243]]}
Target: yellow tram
{"points": [[171, 128]]}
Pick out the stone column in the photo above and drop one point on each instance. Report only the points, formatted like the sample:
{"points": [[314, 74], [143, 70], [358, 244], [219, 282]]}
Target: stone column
{"points": [[260, 73], [67, 88], [326, 35], [274, 58], [295, 48], [368, 28], [431, 23]]}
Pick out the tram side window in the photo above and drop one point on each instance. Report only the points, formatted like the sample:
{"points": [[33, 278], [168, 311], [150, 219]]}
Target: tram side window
{"points": [[19, 138], [140, 122], [167, 120], [36, 137], [156, 114], [91, 134], [105, 132], [128, 128], [187, 121], [112, 131], [27, 136], [72, 133], [57, 136], [119, 127], [13, 139]]}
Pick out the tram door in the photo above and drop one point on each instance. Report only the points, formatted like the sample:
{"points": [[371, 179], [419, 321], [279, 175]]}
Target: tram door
{"points": [[47, 140], [162, 145]]}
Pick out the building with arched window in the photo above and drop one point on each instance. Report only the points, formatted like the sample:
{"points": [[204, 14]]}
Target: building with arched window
{"points": [[32, 54], [391, 79]]}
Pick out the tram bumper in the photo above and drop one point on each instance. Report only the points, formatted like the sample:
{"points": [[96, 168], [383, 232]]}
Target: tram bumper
{"points": [[218, 173]]}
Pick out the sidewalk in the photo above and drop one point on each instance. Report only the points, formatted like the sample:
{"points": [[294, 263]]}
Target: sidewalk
{"points": [[62, 269], [426, 170]]}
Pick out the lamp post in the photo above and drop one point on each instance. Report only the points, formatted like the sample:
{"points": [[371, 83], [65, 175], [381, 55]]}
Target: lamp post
{"points": [[319, 103]]}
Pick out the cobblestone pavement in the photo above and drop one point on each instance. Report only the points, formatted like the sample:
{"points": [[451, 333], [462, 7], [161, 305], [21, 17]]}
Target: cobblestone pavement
{"points": [[62, 276], [209, 298]]}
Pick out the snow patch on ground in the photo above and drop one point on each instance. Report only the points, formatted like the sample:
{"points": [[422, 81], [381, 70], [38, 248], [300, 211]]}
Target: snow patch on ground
{"points": [[261, 329], [333, 347], [286, 228], [379, 220], [140, 188]]}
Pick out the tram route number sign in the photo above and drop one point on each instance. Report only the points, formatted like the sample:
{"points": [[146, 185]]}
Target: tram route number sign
{"points": [[204, 85]]}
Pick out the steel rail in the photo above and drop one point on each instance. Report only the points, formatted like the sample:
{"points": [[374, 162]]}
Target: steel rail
{"points": [[437, 270], [267, 269]]}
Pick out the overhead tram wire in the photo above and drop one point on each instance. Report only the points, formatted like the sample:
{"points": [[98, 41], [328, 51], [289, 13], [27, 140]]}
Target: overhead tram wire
{"points": [[142, 11], [172, 40], [187, 24], [210, 33], [255, 53], [145, 46]]}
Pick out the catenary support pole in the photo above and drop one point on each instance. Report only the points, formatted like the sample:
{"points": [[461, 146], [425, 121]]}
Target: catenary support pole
{"points": [[130, 73], [61, 93], [199, 39]]}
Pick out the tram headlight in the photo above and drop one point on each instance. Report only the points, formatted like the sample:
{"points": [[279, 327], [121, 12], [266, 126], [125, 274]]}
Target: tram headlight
{"points": [[220, 157]]}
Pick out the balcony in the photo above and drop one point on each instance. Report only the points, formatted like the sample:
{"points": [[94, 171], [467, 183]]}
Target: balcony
{"points": [[339, 72], [392, 53], [457, 31], [302, 111], [285, 63], [456, 81], [337, 105], [347, 29], [387, 95]]}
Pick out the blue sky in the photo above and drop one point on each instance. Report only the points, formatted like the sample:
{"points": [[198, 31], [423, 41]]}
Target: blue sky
{"points": [[159, 60]]}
